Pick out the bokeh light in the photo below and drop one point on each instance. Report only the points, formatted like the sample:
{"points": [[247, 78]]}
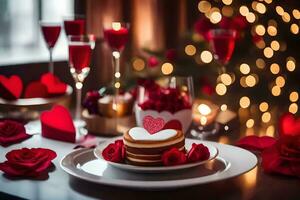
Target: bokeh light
{"points": [[293, 108], [223, 107], [244, 102], [250, 81], [294, 28], [274, 68], [244, 68], [204, 6], [260, 30], [260, 63], [266, 117], [290, 64], [268, 52], [206, 56], [263, 106], [226, 79], [276, 90], [280, 81], [294, 96], [275, 45], [138, 64], [190, 50], [167, 68], [221, 89]]}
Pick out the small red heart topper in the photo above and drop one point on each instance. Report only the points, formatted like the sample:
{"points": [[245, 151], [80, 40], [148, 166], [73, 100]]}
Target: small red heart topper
{"points": [[153, 125], [53, 84], [10, 88], [58, 124]]}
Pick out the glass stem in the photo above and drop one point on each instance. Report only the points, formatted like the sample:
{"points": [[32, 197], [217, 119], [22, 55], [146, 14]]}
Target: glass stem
{"points": [[116, 77], [51, 66], [78, 86]]}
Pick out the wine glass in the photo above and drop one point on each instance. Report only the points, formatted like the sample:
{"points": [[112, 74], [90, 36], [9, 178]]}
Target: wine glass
{"points": [[116, 36], [222, 42], [51, 33], [74, 25], [80, 51]]}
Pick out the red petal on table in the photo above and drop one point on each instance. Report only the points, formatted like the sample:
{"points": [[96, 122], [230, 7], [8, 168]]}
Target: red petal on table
{"points": [[10, 88], [272, 162], [58, 124], [36, 89], [256, 143]]}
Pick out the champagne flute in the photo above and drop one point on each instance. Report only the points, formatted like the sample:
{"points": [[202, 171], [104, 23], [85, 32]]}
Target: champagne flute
{"points": [[80, 51], [51, 33], [116, 35]]}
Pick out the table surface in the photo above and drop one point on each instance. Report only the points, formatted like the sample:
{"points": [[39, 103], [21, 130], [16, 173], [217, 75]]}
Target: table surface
{"points": [[252, 185]]}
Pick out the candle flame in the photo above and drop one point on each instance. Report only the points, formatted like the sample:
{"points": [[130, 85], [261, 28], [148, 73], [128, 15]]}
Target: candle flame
{"points": [[116, 26]]}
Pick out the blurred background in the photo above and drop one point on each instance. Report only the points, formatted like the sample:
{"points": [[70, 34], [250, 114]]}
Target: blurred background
{"points": [[169, 37]]}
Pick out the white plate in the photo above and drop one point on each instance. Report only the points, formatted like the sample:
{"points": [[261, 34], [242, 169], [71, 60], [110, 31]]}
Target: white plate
{"points": [[231, 161], [156, 169]]}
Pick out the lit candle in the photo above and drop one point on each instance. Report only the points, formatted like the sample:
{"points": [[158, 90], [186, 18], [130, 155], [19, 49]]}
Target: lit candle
{"points": [[204, 112]]}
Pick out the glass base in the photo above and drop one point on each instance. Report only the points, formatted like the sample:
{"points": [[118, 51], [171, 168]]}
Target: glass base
{"points": [[202, 132]]}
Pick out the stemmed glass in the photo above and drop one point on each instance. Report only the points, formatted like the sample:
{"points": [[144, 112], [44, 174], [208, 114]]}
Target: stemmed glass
{"points": [[80, 51], [51, 33], [222, 42], [116, 35], [74, 25]]}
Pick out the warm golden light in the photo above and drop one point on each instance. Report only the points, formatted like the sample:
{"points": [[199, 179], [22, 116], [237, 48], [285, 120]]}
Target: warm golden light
{"points": [[260, 63], [244, 102], [276, 90], [272, 30], [275, 45], [293, 108], [167, 68], [266, 117], [227, 2], [268, 1], [116, 26], [263, 106], [250, 17], [226, 79], [227, 11], [268, 52], [296, 14], [280, 81], [244, 10], [260, 30], [117, 85], [221, 89], [244, 68], [261, 8], [250, 123], [190, 50], [286, 17], [294, 96], [204, 109], [223, 107], [260, 44], [117, 74], [243, 81], [294, 29], [270, 131], [274, 68], [215, 17], [250, 81], [206, 56], [204, 6], [279, 10], [138, 64], [290, 64]]}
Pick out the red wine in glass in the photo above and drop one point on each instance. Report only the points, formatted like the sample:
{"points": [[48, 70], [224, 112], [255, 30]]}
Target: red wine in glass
{"points": [[116, 38], [74, 27], [51, 33], [222, 43], [80, 56]]}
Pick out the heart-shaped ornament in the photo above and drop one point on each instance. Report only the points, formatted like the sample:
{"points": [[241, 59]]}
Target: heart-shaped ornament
{"points": [[153, 125], [141, 134], [53, 84], [36, 89], [289, 125], [11, 88], [58, 124]]}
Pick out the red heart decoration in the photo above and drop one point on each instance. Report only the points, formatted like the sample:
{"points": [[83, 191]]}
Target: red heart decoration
{"points": [[153, 125], [53, 84], [173, 124], [288, 125], [58, 124], [36, 89], [10, 88]]}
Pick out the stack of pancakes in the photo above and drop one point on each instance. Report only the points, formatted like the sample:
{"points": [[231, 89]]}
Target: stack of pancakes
{"points": [[148, 151]]}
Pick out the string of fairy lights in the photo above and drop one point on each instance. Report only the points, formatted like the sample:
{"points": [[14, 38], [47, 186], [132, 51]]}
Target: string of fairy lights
{"points": [[269, 46]]}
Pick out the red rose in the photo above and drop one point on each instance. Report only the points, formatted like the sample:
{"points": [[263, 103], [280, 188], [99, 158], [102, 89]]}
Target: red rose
{"points": [[198, 152], [27, 162], [114, 152], [173, 157], [12, 132]]}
